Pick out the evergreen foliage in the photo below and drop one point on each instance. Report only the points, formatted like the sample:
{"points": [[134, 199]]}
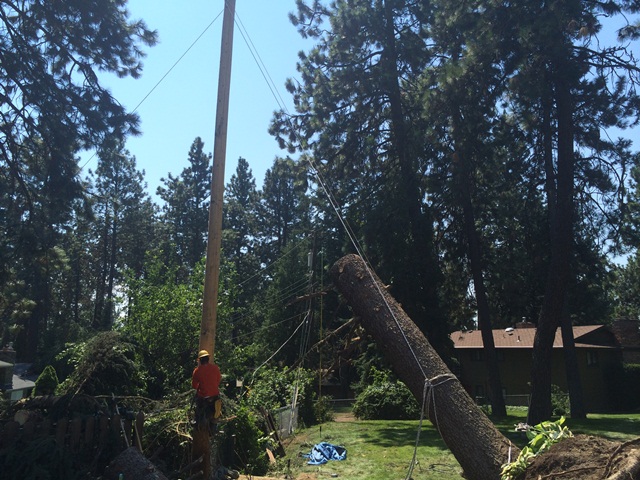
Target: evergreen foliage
{"points": [[52, 104], [386, 399], [107, 364], [47, 382], [123, 219], [185, 213], [625, 288]]}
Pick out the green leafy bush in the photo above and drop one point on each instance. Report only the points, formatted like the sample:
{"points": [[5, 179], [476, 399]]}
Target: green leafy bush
{"points": [[322, 410], [386, 399], [245, 444], [559, 401], [273, 388], [164, 320], [47, 382]]}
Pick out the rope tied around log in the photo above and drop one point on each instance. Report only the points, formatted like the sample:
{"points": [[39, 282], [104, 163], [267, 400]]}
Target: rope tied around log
{"points": [[427, 392]]}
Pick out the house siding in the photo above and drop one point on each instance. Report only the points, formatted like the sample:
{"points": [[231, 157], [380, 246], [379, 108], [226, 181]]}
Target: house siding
{"points": [[515, 368]]}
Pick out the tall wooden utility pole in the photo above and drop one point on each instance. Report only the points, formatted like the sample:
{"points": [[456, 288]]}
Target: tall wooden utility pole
{"points": [[202, 436], [212, 268]]}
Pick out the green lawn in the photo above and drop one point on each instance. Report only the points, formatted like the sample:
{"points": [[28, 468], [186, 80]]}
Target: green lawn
{"points": [[620, 427], [382, 450], [376, 450]]}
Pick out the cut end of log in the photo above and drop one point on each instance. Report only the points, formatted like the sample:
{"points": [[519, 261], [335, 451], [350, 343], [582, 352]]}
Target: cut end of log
{"points": [[132, 464]]}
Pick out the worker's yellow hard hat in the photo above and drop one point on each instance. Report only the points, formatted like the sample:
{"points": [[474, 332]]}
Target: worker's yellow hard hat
{"points": [[203, 353]]}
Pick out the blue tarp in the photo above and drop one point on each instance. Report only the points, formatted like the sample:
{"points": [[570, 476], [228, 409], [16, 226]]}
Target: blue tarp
{"points": [[322, 452]]}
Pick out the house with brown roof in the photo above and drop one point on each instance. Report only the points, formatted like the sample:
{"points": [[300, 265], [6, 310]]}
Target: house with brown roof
{"points": [[598, 347]]}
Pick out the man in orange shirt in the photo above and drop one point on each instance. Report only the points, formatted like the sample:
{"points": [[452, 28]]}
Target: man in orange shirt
{"points": [[206, 380]]}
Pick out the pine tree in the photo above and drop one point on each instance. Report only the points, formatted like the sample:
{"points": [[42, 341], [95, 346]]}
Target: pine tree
{"points": [[186, 207], [52, 105], [123, 235], [355, 116]]}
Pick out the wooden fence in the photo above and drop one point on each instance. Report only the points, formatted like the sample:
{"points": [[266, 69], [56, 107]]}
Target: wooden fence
{"points": [[78, 434]]}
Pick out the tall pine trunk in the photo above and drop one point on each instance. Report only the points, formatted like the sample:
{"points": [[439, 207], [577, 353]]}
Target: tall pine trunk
{"points": [[423, 266], [561, 237], [576, 399], [109, 304], [462, 178]]}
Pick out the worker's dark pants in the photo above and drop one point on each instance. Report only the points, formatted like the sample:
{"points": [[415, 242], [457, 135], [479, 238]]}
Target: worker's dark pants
{"points": [[205, 410]]}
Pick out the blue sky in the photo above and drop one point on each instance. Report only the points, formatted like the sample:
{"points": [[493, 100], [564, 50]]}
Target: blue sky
{"points": [[183, 106]]}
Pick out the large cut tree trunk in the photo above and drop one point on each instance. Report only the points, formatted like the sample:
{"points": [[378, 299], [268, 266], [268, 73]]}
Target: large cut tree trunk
{"points": [[475, 442], [132, 464]]}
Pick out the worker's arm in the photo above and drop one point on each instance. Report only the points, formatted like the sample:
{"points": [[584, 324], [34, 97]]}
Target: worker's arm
{"points": [[195, 380]]}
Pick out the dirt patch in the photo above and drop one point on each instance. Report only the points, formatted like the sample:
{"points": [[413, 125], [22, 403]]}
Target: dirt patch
{"points": [[585, 457], [344, 417]]}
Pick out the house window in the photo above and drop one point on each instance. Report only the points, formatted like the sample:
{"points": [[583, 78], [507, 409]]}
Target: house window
{"points": [[592, 358], [500, 355], [477, 355]]}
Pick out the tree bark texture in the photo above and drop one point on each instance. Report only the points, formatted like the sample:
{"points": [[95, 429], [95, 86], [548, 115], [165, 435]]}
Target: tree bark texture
{"points": [[474, 253], [561, 235], [475, 442], [574, 383]]}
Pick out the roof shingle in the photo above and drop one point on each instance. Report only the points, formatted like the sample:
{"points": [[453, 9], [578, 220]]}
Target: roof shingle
{"points": [[520, 337]]}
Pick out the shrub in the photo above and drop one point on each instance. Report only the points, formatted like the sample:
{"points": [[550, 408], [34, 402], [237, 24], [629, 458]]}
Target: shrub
{"points": [[387, 400], [560, 403], [273, 388], [245, 443], [322, 410], [47, 382]]}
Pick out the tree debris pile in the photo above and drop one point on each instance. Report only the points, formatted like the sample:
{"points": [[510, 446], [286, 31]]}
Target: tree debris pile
{"points": [[585, 457]]}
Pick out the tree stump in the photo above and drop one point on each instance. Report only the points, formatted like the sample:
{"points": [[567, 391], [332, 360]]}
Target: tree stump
{"points": [[132, 465]]}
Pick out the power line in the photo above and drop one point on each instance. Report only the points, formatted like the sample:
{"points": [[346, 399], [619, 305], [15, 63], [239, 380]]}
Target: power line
{"points": [[259, 63], [164, 76], [354, 241]]}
